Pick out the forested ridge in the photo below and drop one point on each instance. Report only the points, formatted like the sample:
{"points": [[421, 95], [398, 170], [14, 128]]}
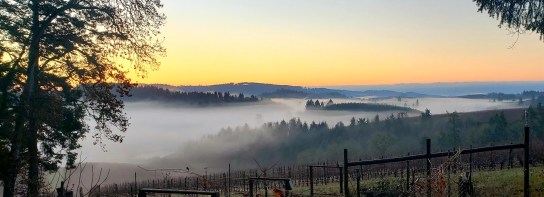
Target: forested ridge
{"points": [[532, 97], [152, 93], [352, 106], [295, 141]]}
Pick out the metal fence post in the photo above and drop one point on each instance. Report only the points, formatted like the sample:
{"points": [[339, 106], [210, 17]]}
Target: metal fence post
{"points": [[346, 188], [228, 182], [135, 183], [510, 164], [250, 188], [428, 167], [526, 163], [341, 180], [325, 174], [311, 182], [408, 174], [358, 183], [142, 194], [471, 189], [60, 190], [449, 171]]}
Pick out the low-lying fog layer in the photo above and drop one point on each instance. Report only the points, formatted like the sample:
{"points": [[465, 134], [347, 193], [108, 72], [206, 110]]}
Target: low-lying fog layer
{"points": [[158, 130], [445, 105]]}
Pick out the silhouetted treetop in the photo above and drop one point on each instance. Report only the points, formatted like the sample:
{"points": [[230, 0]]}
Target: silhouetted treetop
{"points": [[317, 105], [143, 93], [517, 15], [295, 141], [64, 58]]}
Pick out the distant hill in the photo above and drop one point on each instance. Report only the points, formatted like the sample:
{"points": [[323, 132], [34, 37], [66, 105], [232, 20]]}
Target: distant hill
{"points": [[452, 89], [532, 97], [477, 90], [390, 93], [246, 88], [285, 93], [327, 95], [288, 91]]}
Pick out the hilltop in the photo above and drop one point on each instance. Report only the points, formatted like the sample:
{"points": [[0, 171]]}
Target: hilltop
{"points": [[289, 91]]}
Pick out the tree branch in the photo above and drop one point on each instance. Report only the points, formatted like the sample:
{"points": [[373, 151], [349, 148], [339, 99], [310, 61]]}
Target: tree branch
{"points": [[54, 15]]}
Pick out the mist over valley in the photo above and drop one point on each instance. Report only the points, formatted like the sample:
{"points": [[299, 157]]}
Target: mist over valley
{"points": [[160, 130]]}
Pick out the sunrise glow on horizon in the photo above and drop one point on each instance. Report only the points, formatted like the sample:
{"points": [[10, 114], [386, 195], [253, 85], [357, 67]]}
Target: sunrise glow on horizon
{"points": [[346, 42]]}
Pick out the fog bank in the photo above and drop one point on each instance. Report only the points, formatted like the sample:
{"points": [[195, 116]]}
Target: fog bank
{"points": [[158, 130]]}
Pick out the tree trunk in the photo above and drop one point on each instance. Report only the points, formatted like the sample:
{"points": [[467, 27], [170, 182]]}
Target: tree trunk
{"points": [[15, 138], [33, 164], [9, 184], [30, 94]]}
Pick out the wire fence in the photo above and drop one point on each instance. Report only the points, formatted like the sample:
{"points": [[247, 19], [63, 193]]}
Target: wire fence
{"points": [[446, 173]]}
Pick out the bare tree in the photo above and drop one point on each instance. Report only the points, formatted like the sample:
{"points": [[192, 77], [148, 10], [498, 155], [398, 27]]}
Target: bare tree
{"points": [[83, 189]]}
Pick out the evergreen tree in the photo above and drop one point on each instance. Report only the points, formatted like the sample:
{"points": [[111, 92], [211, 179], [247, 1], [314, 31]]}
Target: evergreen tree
{"points": [[426, 115], [309, 104], [65, 60], [376, 119], [317, 104], [352, 122], [362, 121], [517, 15], [452, 136]]}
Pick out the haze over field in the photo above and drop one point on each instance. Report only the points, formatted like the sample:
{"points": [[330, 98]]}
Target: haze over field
{"points": [[158, 130]]}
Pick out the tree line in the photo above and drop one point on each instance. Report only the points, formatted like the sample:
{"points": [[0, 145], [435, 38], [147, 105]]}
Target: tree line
{"points": [[330, 105], [531, 97], [294, 141], [147, 92]]}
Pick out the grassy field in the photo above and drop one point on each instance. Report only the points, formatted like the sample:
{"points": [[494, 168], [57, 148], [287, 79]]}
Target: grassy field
{"points": [[486, 183], [509, 182]]}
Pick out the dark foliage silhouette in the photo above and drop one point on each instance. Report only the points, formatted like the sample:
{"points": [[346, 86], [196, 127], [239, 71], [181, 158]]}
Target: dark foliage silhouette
{"points": [[149, 93], [64, 57], [330, 105], [517, 15]]}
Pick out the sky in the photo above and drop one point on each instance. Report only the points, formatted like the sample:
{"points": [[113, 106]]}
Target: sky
{"points": [[340, 42]]}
